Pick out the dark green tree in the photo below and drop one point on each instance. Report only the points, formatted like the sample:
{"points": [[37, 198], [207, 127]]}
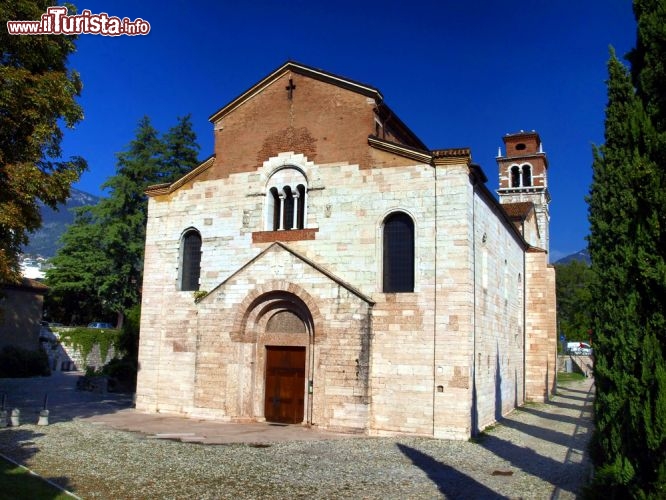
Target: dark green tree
{"points": [[182, 150], [123, 218], [112, 233], [573, 300], [37, 96], [648, 60], [75, 279], [627, 207]]}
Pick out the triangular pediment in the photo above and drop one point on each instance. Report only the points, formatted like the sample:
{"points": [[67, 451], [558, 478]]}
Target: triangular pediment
{"points": [[279, 262], [301, 69]]}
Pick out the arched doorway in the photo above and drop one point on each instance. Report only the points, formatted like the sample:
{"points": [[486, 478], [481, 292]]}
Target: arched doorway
{"points": [[281, 327]]}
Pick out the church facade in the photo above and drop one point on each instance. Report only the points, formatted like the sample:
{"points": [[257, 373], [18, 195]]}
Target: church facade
{"points": [[324, 267]]}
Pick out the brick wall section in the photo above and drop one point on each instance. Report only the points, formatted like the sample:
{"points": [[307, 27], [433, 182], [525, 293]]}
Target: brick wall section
{"points": [[293, 235], [324, 122], [541, 324]]}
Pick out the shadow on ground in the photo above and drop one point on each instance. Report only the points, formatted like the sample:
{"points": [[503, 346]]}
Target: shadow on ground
{"points": [[573, 444], [23, 448], [64, 402], [451, 482], [61, 396]]}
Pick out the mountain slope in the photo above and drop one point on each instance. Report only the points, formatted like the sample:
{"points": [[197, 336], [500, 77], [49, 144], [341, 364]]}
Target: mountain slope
{"points": [[46, 240], [582, 255]]}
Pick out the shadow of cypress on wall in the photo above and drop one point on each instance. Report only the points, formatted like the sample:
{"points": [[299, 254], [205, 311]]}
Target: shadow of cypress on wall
{"points": [[498, 386]]}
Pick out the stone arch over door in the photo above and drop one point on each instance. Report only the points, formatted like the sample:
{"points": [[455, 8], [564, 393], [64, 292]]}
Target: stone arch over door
{"points": [[281, 328]]}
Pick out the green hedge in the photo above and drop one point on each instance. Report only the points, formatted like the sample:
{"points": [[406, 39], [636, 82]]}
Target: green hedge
{"points": [[16, 362]]}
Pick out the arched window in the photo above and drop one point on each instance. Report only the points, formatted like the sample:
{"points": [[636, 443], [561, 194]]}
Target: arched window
{"points": [[300, 216], [515, 176], [191, 261], [288, 222], [527, 176], [286, 200], [274, 205], [398, 241]]}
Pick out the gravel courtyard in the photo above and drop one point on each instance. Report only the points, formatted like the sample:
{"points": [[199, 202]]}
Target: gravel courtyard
{"points": [[539, 451]]}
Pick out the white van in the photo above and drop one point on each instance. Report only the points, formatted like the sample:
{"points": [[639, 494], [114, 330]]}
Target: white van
{"points": [[581, 348]]}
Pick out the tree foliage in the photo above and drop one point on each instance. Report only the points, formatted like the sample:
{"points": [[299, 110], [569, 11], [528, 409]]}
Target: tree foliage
{"points": [[573, 300], [627, 206], [75, 279], [123, 216], [37, 96], [103, 250]]}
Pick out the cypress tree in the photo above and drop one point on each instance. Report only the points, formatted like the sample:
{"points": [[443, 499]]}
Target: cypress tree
{"points": [[627, 206]]}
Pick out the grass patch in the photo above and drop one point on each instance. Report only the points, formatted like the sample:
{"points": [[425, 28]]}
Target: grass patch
{"points": [[564, 377], [16, 482], [481, 436]]}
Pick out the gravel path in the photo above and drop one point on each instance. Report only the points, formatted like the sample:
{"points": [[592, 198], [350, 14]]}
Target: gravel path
{"points": [[537, 452]]}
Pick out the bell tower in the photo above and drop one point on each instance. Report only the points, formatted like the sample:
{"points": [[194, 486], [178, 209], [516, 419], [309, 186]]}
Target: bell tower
{"points": [[523, 179]]}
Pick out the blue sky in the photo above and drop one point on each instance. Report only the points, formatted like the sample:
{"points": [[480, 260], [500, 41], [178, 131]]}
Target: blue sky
{"points": [[458, 73]]}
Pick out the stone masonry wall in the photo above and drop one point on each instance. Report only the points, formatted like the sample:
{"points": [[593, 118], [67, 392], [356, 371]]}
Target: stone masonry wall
{"points": [[541, 325], [443, 360], [419, 344], [499, 339], [347, 243]]}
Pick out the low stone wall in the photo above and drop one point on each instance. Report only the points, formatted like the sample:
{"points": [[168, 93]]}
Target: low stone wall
{"points": [[63, 357], [94, 358], [579, 363]]}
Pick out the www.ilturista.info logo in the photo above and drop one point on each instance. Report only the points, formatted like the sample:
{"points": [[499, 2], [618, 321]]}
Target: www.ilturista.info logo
{"points": [[56, 22]]}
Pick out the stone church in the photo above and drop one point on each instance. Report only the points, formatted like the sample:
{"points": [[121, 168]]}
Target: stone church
{"points": [[324, 267]]}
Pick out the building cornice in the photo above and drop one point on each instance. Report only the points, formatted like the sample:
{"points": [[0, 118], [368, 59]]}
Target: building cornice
{"points": [[453, 156], [523, 158], [420, 155], [166, 188]]}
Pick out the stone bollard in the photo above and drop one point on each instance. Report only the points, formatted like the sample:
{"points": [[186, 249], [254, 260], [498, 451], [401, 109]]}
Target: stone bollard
{"points": [[43, 417], [3, 413], [15, 417]]}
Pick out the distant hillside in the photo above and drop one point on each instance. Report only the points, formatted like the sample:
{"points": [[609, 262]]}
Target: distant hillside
{"points": [[582, 255], [46, 240]]}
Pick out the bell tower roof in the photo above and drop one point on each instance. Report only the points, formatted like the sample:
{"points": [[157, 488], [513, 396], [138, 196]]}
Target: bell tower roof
{"points": [[522, 143], [523, 177]]}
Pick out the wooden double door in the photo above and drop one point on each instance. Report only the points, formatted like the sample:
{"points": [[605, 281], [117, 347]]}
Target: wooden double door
{"points": [[285, 384]]}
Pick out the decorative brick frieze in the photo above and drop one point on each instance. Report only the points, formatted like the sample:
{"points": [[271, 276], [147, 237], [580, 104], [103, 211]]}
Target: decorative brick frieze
{"points": [[289, 235]]}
